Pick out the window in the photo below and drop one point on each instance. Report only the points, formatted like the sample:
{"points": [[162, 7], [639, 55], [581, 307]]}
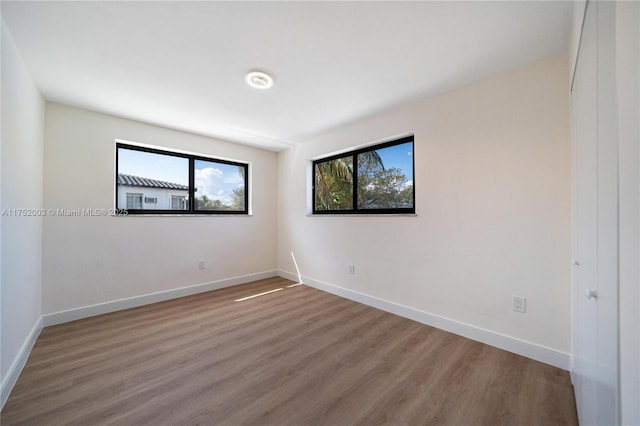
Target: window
{"points": [[134, 201], [376, 179], [178, 202], [219, 187], [153, 181]]}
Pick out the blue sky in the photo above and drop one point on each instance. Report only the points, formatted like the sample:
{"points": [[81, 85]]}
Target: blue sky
{"points": [[215, 180], [399, 156], [153, 166]]}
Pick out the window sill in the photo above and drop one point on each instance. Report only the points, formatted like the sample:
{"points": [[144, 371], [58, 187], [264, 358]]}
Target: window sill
{"points": [[183, 215], [362, 215]]}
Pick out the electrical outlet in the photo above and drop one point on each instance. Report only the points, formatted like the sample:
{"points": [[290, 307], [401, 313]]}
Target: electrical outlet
{"points": [[351, 269], [519, 304], [201, 264]]}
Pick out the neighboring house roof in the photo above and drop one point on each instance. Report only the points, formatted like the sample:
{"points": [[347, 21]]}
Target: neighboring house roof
{"points": [[129, 180]]}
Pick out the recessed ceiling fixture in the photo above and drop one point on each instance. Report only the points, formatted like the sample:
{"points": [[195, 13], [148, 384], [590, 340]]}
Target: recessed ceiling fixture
{"points": [[259, 79]]}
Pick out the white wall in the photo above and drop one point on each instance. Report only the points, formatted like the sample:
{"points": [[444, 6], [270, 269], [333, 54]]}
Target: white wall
{"points": [[628, 81], [94, 260], [579, 7], [21, 177], [493, 209]]}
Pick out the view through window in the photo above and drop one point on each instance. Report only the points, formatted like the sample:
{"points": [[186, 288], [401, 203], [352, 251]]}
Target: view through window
{"points": [[376, 179], [150, 180]]}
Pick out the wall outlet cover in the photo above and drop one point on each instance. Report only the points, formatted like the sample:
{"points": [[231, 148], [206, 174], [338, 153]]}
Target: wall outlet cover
{"points": [[519, 304]]}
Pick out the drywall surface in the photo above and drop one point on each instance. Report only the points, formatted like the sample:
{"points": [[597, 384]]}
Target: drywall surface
{"points": [[21, 174], [579, 7], [90, 260], [493, 182], [628, 93]]}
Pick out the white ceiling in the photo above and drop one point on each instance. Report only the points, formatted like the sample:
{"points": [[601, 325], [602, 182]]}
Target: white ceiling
{"points": [[182, 64]]}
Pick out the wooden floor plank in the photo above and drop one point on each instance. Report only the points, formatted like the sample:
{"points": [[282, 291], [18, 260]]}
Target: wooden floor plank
{"points": [[296, 356]]}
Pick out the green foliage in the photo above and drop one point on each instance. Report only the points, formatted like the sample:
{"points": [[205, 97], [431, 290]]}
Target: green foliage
{"points": [[334, 184], [205, 203], [238, 198], [384, 189], [378, 187]]}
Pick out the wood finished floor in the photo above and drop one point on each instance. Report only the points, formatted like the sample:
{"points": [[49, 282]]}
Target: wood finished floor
{"points": [[297, 356]]}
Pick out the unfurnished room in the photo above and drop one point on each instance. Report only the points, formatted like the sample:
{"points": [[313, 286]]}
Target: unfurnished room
{"points": [[320, 213]]}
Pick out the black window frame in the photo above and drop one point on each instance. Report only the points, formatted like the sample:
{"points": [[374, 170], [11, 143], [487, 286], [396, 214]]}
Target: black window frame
{"points": [[354, 155], [192, 158]]}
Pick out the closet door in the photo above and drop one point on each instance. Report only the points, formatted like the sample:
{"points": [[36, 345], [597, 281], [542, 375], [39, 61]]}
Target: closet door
{"points": [[585, 130], [595, 348]]}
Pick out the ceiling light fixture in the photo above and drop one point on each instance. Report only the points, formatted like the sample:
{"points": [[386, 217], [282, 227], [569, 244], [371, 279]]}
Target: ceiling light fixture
{"points": [[259, 79]]}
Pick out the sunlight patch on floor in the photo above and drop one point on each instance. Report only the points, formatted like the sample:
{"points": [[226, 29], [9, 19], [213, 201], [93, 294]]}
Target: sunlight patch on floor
{"points": [[259, 294]]}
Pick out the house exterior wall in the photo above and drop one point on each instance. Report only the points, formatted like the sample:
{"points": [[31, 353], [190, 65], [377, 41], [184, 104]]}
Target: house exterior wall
{"points": [[162, 196]]}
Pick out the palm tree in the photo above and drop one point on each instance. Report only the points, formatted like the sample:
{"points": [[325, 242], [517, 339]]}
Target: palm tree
{"points": [[238, 192], [334, 179]]}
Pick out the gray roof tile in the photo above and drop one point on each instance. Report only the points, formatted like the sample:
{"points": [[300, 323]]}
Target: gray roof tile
{"points": [[129, 180]]}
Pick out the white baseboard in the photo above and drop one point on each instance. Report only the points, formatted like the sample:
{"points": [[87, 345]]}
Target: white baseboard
{"points": [[501, 341], [18, 363], [103, 308], [511, 344], [288, 275], [132, 302]]}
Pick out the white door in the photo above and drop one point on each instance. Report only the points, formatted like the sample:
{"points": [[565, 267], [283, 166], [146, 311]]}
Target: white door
{"points": [[595, 346], [584, 113]]}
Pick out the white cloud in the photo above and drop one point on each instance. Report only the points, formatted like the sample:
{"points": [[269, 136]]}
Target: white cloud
{"points": [[235, 179], [215, 184], [210, 182]]}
